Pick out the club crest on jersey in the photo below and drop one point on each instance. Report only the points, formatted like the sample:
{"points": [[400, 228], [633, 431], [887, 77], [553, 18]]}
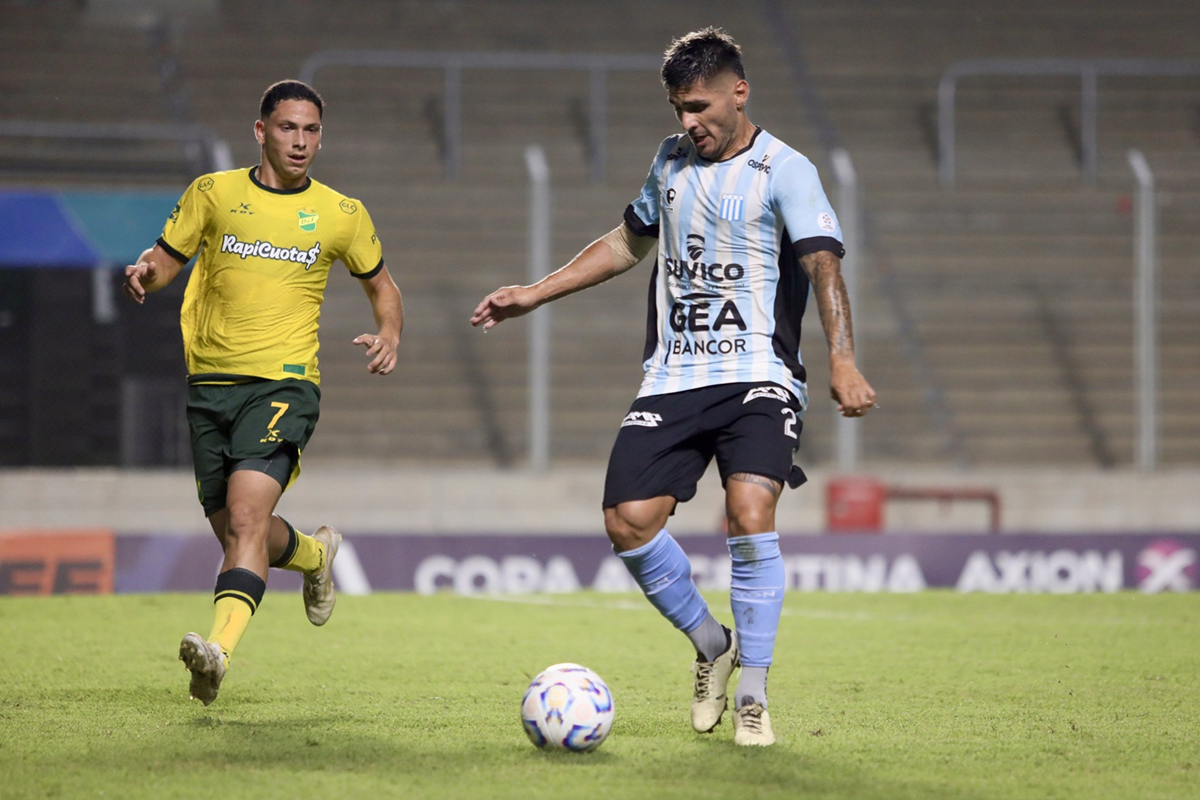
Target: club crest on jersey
{"points": [[731, 207], [308, 220], [642, 419], [768, 393]]}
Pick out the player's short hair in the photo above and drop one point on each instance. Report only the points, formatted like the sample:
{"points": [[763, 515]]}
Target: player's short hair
{"points": [[700, 55], [277, 92]]}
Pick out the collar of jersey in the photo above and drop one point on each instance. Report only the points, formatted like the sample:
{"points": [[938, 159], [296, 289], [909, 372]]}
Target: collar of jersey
{"points": [[743, 151], [266, 188]]}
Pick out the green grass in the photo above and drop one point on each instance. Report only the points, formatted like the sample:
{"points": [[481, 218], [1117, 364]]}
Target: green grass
{"points": [[916, 696]]}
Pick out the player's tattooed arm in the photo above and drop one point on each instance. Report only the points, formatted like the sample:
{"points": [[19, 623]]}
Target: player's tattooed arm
{"points": [[847, 385], [825, 271]]}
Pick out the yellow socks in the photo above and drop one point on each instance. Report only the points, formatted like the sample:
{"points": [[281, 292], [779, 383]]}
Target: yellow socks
{"points": [[303, 554], [238, 593]]}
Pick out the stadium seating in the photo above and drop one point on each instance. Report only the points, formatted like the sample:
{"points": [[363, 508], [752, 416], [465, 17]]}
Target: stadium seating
{"points": [[1003, 302], [1020, 277]]}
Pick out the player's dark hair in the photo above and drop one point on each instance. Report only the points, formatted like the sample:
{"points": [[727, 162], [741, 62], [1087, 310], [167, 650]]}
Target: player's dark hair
{"points": [[699, 56], [276, 93]]}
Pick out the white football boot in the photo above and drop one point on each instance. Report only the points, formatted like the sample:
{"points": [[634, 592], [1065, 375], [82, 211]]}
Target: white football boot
{"points": [[319, 596], [752, 726], [206, 662], [712, 680]]}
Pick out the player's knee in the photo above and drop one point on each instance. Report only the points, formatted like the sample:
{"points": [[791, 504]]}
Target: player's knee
{"points": [[247, 522], [627, 529], [748, 518]]}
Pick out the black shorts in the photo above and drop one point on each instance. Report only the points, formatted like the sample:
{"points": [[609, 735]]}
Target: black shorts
{"points": [[666, 441]]}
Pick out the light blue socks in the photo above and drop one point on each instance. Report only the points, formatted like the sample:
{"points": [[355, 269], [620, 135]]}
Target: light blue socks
{"points": [[756, 595], [663, 571]]}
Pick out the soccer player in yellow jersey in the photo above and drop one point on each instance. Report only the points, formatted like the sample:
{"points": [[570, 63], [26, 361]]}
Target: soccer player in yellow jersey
{"points": [[266, 238]]}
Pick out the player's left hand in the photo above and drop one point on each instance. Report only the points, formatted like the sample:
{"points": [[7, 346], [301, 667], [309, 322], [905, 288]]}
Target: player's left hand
{"points": [[850, 390], [381, 350]]}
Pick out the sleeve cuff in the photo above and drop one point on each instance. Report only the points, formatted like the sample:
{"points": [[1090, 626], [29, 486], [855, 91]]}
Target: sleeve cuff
{"points": [[172, 252], [815, 244], [635, 224], [366, 276]]}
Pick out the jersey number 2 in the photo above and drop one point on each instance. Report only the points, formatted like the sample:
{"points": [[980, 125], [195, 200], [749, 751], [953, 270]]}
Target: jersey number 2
{"points": [[789, 424]]}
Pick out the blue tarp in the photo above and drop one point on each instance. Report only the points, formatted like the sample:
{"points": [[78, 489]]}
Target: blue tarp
{"points": [[43, 228]]}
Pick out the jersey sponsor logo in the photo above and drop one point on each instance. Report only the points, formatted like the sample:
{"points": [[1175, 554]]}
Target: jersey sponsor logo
{"points": [[767, 393], [711, 347], [308, 220], [825, 222], [205, 184], [761, 166], [641, 419], [681, 271], [731, 207], [262, 249], [670, 194], [174, 217], [348, 207], [698, 270], [692, 312], [242, 208], [679, 153]]}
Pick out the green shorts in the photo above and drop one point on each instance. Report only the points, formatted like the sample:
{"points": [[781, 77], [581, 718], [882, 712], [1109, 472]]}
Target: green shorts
{"points": [[262, 425]]}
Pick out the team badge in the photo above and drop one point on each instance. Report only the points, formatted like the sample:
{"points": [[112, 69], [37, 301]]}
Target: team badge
{"points": [[731, 207], [308, 220]]}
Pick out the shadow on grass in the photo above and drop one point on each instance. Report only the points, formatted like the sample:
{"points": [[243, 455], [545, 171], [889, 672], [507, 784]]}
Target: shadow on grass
{"points": [[448, 755]]}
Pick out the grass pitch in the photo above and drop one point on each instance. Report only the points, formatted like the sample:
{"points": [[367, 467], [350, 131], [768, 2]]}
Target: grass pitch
{"points": [[916, 696]]}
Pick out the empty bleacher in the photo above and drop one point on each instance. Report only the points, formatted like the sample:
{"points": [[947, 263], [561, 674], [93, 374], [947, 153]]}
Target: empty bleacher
{"points": [[1020, 277], [995, 319]]}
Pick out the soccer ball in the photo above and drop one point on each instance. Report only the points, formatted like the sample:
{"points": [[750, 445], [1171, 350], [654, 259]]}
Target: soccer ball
{"points": [[567, 707]]}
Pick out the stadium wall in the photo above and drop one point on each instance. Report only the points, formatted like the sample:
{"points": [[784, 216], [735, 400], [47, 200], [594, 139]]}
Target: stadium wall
{"points": [[389, 500]]}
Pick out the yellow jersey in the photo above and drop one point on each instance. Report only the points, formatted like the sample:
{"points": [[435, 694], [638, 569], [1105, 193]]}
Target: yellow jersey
{"points": [[253, 302]]}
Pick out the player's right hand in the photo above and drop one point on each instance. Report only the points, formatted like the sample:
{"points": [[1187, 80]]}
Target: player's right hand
{"points": [[506, 302], [135, 275]]}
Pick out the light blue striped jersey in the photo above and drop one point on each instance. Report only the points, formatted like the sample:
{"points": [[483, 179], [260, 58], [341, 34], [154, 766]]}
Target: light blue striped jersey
{"points": [[728, 292]]}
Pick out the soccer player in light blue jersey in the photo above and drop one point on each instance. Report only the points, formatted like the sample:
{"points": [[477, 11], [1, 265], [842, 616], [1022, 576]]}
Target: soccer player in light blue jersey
{"points": [[742, 228]]}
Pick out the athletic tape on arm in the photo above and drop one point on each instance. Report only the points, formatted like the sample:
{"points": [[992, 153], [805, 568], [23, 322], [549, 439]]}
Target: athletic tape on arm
{"points": [[628, 247]]}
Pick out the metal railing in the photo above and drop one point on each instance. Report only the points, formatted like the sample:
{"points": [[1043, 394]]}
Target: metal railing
{"points": [[1145, 314], [211, 151], [539, 323], [1089, 71], [453, 64], [848, 445]]}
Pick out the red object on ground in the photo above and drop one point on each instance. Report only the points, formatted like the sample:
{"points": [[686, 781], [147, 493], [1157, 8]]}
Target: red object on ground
{"points": [[855, 504]]}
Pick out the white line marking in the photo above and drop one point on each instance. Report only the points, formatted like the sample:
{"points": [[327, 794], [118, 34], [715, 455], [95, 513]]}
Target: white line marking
{"points": [[633, 605]]}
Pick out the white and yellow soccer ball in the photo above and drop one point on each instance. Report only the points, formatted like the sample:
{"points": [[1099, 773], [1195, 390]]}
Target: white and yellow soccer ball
{"points": [[567, 707]]}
